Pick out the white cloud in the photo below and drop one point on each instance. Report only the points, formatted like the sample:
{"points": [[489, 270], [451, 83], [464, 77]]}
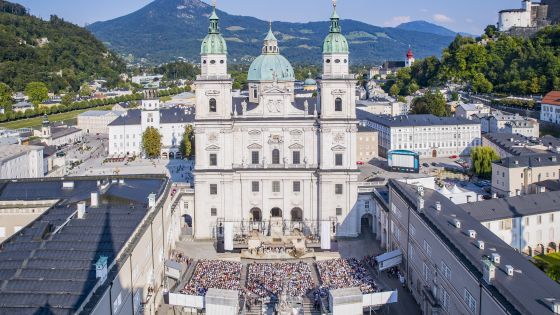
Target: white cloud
{"points": [[469, 20], [398, 20], [442, 18]]}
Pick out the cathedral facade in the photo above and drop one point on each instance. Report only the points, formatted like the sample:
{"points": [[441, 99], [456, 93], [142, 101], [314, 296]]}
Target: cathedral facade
{"points": [[271, 155]]}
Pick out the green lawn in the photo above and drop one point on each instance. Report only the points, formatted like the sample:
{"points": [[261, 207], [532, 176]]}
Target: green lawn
{"points": [[550, 259], [36, 121], [550, 264]]}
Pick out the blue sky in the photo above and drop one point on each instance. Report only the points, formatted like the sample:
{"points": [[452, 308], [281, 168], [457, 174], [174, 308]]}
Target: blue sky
{"points": [[460, 15]]}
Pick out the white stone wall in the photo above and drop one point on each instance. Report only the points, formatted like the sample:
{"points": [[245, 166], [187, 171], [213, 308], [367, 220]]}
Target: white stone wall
{"points": [[25, 165], [550, 113]]}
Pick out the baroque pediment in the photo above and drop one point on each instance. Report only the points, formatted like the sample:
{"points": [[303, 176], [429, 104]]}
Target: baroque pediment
{"points": [[338, 148], [213, 148]]}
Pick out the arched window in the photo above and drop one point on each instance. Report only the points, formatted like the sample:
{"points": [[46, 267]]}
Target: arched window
{"points": [[276, 213], [338, 104], [275, 156], [213, 107], [255, 93], [297, 215]]}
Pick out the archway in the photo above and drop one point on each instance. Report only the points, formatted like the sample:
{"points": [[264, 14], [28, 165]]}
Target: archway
{"points": [[276, 213], [528, 251], [297, 215], [540, 250], [256, 215], [366, 223], [171, 155], [434, 153]]}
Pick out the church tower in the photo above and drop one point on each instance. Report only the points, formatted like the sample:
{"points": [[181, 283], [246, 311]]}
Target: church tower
{"points": [[338, 171], [213, 86], [338, 97], [409, 58]]}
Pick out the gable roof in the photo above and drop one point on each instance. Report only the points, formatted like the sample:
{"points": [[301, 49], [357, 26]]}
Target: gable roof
{"points": [[552, 98]]}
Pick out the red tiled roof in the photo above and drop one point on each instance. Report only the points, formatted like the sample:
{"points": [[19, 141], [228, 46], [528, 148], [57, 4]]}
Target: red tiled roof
{"points": [[552, 98]]}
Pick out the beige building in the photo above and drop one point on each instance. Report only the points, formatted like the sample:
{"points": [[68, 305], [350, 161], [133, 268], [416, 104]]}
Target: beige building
{"points": [[518, 175], [97, 121], [368, 144]]}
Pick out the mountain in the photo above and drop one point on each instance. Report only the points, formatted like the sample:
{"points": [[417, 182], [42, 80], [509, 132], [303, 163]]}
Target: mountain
{"points": [[167, 29], [427, 27], [55, 52]]}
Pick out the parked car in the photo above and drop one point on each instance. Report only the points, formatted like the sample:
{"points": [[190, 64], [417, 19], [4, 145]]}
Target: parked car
{"points": [[425, 164], [360, 163], [434, 164], [453, 157]]}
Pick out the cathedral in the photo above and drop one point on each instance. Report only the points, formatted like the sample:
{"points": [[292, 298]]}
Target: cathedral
{"points": [[271, 156]]}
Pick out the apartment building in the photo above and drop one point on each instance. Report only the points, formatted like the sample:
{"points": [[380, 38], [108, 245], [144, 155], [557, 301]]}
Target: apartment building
{"points": [[530, 223], [519, 175], [454, 265], [367, 144], [428, 135]]}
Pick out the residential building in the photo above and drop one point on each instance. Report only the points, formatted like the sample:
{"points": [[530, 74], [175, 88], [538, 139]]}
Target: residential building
{"points": [[500, 122], [428, 135], [530, 224], [518, 175], [454, 265], [368, 145], [125, 132], [507, 145], [270, 157], [22, 106], [550, 107], [97, 121], [21, 161], [383, 105], [96, 245], [471, 111]]}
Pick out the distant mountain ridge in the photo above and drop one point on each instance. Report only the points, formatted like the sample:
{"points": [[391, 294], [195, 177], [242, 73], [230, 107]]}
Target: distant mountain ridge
{"points": [[165, 30], [431, 28]]}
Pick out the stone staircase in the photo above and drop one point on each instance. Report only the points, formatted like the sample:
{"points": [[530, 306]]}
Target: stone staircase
{"points": [[308, 307]]}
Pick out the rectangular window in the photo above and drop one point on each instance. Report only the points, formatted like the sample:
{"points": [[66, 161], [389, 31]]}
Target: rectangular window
{"points": [[338, 159], [470, 301], [446, 270], [213, 159], [213, 189], [338, 211], [426, 272], [297, 186], [338, 189], [552, 217], [255, 159], [255, 186], [539, 219], [296, 157], [445, 299], [526, 221], [276, 187], [427, 249], [213, 212]]}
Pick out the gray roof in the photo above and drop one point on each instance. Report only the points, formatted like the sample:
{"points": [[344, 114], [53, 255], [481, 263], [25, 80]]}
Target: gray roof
{"points": [[413, 120], [515, 144], [536, 160], [10, 151], [59, 132], [167, 116], [55, 272], [521, 293], [99, 113], [513, 207]]}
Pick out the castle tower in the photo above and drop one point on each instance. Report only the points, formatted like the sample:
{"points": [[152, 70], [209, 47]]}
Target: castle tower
{"points": [[46, 128]]}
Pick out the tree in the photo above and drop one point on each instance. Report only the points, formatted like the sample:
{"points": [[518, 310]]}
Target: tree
{"points": [[151, 142], [68, 99], [482, 158], [6, 97], [554, 272], [454, 96], [187, 142], [430, 103], [394, 90], [491, 30], [85, 90], [37, 92]]}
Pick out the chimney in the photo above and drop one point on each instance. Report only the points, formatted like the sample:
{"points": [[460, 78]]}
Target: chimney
{"points": [[469, 198], [516, 162], [121, 181], [472, 233], [81, 209], [480, 245], [438, 206], [488, 270], [151, 200], [94, 203], [457, 223], [552, 304], [496, 258], [494, 195], [98, 183], [509, 269], [518, 192]]}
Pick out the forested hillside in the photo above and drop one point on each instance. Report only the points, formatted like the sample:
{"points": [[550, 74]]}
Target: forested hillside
{"points": [[493, 63], [55, 52]]}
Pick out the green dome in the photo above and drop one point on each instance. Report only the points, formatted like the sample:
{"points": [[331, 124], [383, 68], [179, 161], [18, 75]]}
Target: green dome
{"points": [[267, 65], [213, 44], [335, 43], [310, 82]]}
